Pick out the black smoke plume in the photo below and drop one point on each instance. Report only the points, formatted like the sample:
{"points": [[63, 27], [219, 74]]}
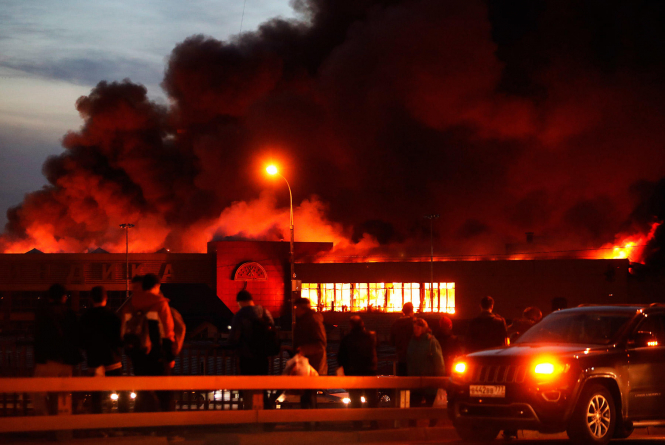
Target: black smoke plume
{"points": [[503, 117]]}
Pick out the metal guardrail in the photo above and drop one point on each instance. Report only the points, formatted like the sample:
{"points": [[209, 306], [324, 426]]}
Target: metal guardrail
{"points": [[254, 384], [176, 383]]}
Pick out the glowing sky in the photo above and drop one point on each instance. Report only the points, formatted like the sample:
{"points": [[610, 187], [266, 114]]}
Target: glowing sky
{"points": [[51, 53]]}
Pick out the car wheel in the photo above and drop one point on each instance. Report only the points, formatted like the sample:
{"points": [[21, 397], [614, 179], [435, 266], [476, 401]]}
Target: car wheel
{"points": [[476, 433], [594, 418]]}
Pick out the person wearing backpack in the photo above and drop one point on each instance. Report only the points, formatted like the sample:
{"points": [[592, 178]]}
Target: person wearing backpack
{"points": [[149, 335], [252, 330]]}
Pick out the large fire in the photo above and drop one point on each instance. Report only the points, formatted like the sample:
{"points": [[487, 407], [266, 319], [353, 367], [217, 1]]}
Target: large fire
{"points": [[372, 129], [630, 247]]}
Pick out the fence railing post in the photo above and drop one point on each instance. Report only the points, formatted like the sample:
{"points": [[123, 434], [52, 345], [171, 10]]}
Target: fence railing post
{"points": [[403, 400]]}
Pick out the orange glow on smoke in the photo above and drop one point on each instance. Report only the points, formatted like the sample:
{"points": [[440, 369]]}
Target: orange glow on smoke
{"points": [[262, 219], [630, 247]]}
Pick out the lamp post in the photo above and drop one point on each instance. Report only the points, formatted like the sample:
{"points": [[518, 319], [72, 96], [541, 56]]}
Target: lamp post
{"points": [[272, 170], [431, 262], [126, 226]]}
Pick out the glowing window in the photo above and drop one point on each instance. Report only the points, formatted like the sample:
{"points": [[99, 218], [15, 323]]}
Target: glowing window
{"points": [[361, 298], [311, 291], [384, 297]]}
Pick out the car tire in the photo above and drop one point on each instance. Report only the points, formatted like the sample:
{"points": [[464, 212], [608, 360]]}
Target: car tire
{"points": [[476, 433], [594, 419]]}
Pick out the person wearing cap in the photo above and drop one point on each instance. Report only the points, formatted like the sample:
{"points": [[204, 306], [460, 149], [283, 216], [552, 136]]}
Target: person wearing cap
{"points": [[400, 334], [243, 336], [424, 358]]}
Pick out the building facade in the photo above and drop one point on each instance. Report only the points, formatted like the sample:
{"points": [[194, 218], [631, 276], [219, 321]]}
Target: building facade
{"points": [[206, 284]]}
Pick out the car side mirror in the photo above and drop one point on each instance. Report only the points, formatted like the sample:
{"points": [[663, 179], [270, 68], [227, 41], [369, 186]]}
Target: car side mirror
{"points": [[643, 339]]}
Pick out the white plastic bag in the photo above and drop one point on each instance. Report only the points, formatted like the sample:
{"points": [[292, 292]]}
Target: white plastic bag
{"points": [[299, 365]]}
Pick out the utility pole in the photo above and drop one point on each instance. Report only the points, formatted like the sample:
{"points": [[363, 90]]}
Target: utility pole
{"points": [[431, 262], [126, 226]]}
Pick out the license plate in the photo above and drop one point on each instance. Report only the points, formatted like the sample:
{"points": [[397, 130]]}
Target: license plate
{"points": [[487, 391]]}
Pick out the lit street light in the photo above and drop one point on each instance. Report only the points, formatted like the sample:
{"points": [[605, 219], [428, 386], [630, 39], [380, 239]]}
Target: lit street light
{"points": [[126, 227], [272, 170]]}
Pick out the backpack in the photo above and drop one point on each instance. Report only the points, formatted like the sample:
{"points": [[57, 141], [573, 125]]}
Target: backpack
{"points": [[136, 332], [264, 341]]}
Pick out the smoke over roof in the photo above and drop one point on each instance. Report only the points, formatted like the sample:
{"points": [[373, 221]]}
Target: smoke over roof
{"points": [[503, 117]]}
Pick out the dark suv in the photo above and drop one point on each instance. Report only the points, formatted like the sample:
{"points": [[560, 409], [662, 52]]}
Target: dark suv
{"points": [[595, 372]]}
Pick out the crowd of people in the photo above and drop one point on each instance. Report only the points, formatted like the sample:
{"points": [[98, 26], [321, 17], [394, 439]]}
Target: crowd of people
{"points": [[146, 327], [151, 333]]}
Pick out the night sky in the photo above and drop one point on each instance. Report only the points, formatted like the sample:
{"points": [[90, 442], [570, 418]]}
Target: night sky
{"points": [[503, 117]]}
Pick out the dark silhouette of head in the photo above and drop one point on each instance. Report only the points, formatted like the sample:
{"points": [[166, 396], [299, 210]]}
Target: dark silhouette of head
{"points": [[57, 293], [407, 309], [445, 324], [149, 282], [356, 323], [533, 313], [244, 296], [98, 294], [420, 327], [303, 305], [487, 303], [304, 302]]}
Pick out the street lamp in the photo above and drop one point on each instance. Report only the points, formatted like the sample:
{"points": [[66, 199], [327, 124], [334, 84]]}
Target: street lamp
{"points": [[431, 262], [272, 170], [126, 226]]}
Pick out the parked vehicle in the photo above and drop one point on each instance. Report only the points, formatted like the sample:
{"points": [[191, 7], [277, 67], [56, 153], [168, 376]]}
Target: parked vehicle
{"points": [[595, 372]]}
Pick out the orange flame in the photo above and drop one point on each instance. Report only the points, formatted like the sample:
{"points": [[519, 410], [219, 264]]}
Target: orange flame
{"points": [[629, 246]]}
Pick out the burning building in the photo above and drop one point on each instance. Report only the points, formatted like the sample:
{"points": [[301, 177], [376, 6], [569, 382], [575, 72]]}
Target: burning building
{"points": [[502, 119], [203, 286]]}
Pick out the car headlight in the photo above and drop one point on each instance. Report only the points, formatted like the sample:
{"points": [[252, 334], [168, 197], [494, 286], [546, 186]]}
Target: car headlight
{"points": [[459, 368], [544, 368], [549, 368]]}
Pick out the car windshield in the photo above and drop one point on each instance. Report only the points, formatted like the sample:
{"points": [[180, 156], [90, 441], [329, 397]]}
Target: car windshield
{"points": [[597, 328]]}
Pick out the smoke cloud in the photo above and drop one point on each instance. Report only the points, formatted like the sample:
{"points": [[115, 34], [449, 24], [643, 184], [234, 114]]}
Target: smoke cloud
{"points": [[503, 117]]}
